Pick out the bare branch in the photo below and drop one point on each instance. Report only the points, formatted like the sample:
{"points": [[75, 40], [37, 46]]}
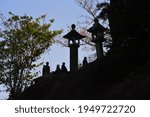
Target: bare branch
{"points": [[89, 6]]}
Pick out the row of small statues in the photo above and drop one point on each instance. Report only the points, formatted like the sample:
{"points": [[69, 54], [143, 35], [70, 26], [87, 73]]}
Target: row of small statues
{"points": [[63, 68], [46, 68]]}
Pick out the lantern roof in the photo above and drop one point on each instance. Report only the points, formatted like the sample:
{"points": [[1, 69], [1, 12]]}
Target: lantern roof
{"points": [[73, 34], [96, 27]]}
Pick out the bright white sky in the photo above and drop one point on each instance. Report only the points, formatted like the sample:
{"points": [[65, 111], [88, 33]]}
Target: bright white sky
{"points": [[65, 12]]}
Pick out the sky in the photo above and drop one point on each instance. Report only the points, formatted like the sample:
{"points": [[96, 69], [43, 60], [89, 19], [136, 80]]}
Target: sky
{"points": [[65, 13]]}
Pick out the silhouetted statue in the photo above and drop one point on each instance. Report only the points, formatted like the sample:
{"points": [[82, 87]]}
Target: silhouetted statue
{"points": [[47, 67], [46, 70], [58, 68], [63, 67], [85, 62], [43, 70]]}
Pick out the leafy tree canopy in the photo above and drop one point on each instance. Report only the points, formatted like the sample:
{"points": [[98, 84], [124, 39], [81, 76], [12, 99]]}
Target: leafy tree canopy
{"points": [[22, 40]]}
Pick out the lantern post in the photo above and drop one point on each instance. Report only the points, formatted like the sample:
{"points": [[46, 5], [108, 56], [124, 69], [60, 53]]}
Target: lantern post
{"points": [[73, 43]]}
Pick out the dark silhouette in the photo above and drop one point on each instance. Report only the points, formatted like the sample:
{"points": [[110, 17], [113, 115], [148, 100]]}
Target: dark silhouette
{"points": [[63, 67], [47, 67], [46, 70], [43, 70], [85, 62], [97, 31], [58, 68], [124, 73], [80, 66], [73, 38]]}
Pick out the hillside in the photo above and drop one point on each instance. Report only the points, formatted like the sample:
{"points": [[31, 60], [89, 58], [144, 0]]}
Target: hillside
{"points": [[111, 78]]}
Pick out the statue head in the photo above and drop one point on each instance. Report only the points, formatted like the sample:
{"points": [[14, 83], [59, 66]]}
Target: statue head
{"points": [[47, 63], [63, 63]]}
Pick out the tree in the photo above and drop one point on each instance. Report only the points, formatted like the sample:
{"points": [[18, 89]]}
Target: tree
{"points": [[98, 10], [90, 7], [22, 41], [129, 23]]}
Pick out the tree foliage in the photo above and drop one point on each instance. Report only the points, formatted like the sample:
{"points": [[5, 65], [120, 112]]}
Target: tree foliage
{"points": [[22, 40], [98, 10], [129, 23]]}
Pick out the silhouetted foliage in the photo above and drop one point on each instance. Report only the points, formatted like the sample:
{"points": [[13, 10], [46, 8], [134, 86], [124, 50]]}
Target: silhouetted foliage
{"points": [[104, 7], [98, 10], [22, 41], [129, 22]]}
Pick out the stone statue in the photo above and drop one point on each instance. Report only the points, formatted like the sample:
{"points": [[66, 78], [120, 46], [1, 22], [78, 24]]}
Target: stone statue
{"points": [[58, 68], [46, 70], [85, 62], [63, 67]]}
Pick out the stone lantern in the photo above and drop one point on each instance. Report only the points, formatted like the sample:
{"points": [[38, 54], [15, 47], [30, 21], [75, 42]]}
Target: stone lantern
{"points": [[73, 43], [97, 31]]}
